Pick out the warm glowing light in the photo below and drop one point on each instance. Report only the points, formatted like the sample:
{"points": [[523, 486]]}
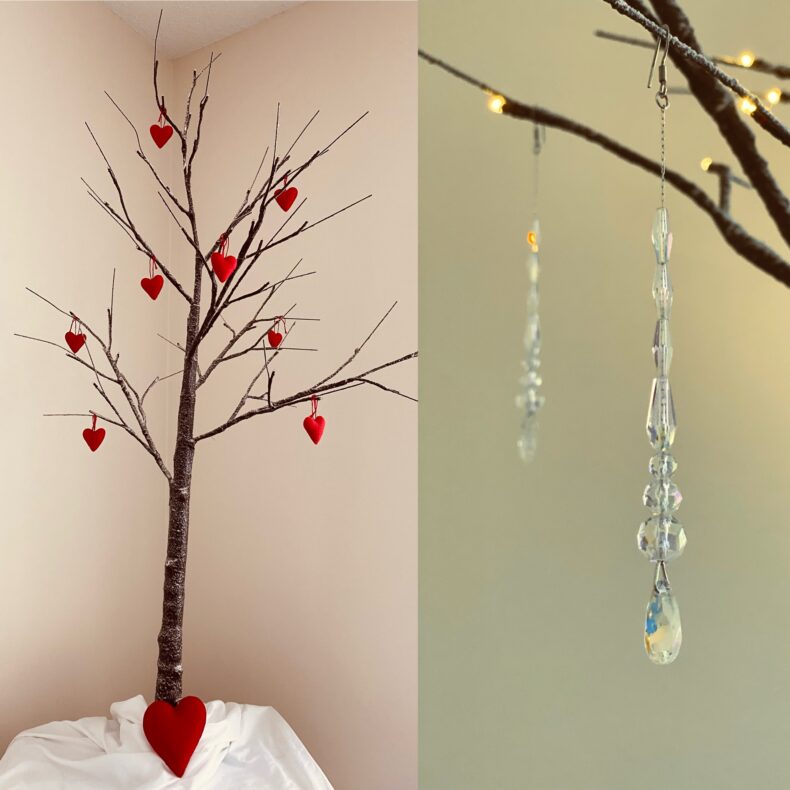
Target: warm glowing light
{"points": [[532, 237], [774, 96], [496, 102], [747, 105], [706, 163], [746, 58]]}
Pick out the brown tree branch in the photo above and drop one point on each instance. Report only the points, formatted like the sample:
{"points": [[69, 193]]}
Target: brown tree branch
{"points": [[718, 103], [681, 46], [759, 64], [127, 222], [750, 248], [129, 392], [305, 396]]}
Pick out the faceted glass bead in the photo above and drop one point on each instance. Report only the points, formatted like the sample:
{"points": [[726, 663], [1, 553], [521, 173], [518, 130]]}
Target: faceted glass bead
{"points": [[661, 236], [661, 538], [531, 379], [661, 420], [662, 496], [533, 299], [662, 291], [532, 333], [662, 465], [662, 346], [663, 633], [533, 268]]}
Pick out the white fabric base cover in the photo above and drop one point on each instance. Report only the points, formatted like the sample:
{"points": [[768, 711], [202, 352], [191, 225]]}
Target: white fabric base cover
{"points": [[243, 747]]}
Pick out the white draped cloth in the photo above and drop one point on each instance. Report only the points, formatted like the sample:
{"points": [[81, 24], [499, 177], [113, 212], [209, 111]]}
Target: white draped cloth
{"points": [[243, 747]]}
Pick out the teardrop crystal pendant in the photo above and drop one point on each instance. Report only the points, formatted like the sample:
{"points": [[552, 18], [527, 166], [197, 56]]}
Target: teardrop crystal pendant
{"points": [[530, 399], [661, 538], [663, 632]]}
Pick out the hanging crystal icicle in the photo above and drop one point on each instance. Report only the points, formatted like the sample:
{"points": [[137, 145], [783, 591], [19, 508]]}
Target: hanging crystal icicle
{"points": [[661, 536], [530, 398]]}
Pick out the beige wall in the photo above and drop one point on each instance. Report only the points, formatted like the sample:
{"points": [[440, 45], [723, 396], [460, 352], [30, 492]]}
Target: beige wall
{"points": [[302, 576], [533, 673]]}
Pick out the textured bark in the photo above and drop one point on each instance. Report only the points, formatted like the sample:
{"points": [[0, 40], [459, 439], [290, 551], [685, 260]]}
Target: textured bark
{"points": [[169, 665]]}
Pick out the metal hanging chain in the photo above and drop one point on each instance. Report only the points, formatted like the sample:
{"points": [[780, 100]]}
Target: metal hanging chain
{"points": [[662, 100]]}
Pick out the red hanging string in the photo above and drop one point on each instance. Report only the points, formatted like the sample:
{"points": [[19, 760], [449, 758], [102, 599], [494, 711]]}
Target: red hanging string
{"points": [[314, 405], [93, 426], [151, 266], [162, 112]]}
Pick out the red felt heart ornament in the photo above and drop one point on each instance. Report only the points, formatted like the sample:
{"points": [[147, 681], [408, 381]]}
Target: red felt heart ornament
{"points": [[94, 437], [314, 427], [286, 197], [75, 341], [275, 338], [174, 732], [223, 265], [153, 285], [161, 134]]}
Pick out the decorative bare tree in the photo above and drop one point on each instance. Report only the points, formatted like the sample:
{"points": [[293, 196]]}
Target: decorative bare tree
{"points": [[713, 89], [202, 317]]}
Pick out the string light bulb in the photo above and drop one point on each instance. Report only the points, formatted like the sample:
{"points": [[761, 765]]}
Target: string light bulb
{"points": [[706, 163], [774, 96], [746, 59], [532, 240], [747, 105], [496, 102]]}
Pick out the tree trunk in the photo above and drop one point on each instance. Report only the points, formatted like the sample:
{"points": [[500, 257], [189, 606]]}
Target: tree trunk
{"points": [[169, 669]]}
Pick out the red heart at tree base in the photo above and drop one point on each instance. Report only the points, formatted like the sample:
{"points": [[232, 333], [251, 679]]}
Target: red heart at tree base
{"points": [[223, 265], [153, 285], [94, 438], [75, 341], [161, 134], [314, 427], [286, 197], [275, 338], [174, 732]]}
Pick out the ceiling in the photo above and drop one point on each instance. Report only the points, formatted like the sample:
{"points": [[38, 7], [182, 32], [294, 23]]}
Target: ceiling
{"points": [[188, 25]]}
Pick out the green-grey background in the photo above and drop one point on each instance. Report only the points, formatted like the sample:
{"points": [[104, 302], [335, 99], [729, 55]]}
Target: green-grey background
{"points": [[533, 673]]}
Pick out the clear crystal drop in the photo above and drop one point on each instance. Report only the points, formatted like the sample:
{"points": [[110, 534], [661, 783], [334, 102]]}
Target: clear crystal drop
{"points": [[661, 236], [662, 346], [662, 291], [533, 299], [662, 496], [661, 538], [661, 420], [663, 633], [662, 465]]}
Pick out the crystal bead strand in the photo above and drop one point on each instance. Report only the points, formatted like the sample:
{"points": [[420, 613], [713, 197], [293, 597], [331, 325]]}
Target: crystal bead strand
{"points": [[530, 398], [661, 537]]}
